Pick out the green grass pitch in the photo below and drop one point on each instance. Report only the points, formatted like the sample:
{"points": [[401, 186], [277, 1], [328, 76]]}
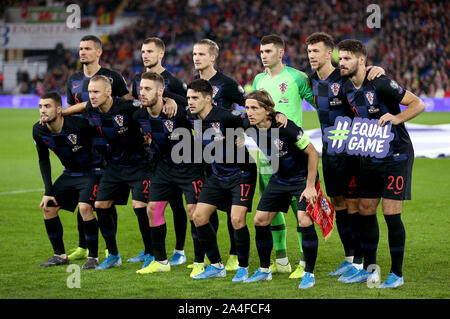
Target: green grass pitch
{"points": [[24, 243]]}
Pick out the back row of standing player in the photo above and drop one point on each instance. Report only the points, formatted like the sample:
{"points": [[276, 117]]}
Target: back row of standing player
{"points": [[287, 87]]}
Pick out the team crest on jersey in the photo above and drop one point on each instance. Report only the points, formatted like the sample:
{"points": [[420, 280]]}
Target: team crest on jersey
{"points": [[369, 97], [215, 90], [278, 143], [216, 127], [169, 125], [119, 120], [72, 138], [335, 88], [283, 87]]}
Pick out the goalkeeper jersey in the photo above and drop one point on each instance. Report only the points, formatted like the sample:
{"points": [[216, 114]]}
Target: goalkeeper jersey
{"points": [[287, 90]]}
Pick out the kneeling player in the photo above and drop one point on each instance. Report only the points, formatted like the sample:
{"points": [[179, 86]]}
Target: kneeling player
{"points": [[296, 176], [69, 138]]}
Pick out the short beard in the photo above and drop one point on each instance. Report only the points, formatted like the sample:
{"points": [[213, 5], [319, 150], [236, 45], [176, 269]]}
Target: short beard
{"points": [[152, 102], [151, 66], [351, 73], [50, 121]]}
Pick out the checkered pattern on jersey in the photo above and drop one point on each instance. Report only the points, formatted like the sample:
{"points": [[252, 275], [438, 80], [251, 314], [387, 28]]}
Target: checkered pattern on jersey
{"points": [[329, 99], [365, 103]]}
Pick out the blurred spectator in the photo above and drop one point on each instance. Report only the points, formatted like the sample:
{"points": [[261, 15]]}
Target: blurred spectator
{"points": [[412, 44]]}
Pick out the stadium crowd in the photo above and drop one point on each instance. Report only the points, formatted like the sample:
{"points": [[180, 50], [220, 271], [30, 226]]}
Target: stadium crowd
{"points": [[412, 44]]}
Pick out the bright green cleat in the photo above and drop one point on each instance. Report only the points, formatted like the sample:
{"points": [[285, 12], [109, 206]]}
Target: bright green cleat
{"points": [[155, 266], [232, 263], [79, 253], [276, 267], [298, 273], [206, 263], [197, 268]]}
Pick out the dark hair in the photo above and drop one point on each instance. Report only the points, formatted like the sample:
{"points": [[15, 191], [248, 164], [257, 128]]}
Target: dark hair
{"points": [[354, 46], [264, 100], [202, 86], [153, 76], [273, 38], [157, 41], [53, 96], [96, 40], [317, 37]]}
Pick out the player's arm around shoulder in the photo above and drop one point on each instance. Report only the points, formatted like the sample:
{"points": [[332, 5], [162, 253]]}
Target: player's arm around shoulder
{"points": [[75, 109]]}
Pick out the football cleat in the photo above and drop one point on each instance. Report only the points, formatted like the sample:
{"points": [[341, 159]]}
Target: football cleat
{"points": [[138, 259], [55, 260], [155, 266], [259, 275], [362, 276], [211, 272], [147, 260], [278, 268], [232, 263], [308, 281], [241, 275], [348, 274], [298, 273], [393, 281], [344, 267], [177, 259], [79, 253], [197, 268], [111, 261], [90, 263]]}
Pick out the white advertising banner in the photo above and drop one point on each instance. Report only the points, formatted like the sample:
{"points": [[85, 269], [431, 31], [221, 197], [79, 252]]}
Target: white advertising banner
{"points": [[41, 36], [44, 36]]}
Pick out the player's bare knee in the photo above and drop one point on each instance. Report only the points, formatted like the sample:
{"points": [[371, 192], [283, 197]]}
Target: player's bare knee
{"points": [[238, 222], [199, 218], [86, 211], [367, 208], [352, 205], [261, 219], [49, 212], [138, 204], [151, 209], [304, 220], [392, 207], [190, 209], [338, 202], [103, 204]]}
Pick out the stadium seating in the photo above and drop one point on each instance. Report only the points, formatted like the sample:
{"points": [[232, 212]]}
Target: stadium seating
{"points": [[412, 44]]}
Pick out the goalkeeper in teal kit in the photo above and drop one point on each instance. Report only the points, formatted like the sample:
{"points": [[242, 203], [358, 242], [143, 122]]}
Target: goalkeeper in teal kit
{"points": [[287, 87]]}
